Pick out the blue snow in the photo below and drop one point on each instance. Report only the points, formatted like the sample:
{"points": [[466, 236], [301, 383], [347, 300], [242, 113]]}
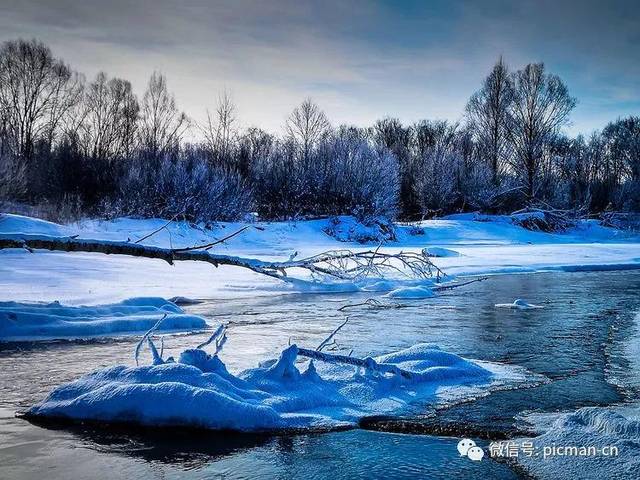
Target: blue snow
{"points": [[198, 391]]}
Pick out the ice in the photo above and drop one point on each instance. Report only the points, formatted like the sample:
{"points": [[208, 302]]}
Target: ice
{"points": [[413, 292], [40, 321], [198, 391], [590, 429], [518, 304]]}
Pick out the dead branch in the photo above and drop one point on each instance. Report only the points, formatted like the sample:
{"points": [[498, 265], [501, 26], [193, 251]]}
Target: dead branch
{"points": [[341, 264], [451, 286], [149, 235], [373, 304], [147, 336], [367, 363], [326, 341]]}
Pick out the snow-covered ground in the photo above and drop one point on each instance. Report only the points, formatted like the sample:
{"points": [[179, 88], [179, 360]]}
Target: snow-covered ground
{"points": [[473, 248], [43, 321]]}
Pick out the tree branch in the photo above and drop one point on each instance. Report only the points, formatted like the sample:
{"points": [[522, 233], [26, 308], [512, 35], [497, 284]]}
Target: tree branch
{"points": [[342, 264]]}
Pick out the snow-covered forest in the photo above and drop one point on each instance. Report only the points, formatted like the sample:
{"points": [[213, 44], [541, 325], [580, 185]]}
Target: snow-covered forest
{"points": [[75, 146]]}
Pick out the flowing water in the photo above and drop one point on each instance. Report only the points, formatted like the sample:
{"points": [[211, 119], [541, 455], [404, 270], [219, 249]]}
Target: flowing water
{"points": [[579, 341]]}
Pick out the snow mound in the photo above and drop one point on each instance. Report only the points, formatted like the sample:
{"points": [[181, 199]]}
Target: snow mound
{"points": [[19, 224], [411, 292], [198, 391], [518, 304], [440, 252], [38, 321], [589, 429]]}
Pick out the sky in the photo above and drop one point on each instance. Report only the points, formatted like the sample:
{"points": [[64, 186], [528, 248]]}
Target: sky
{"points": [[359, 60]]}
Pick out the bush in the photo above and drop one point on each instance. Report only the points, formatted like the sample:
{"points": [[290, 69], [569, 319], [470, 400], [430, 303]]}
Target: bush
{"points": [[343, 176], [189, 189]]}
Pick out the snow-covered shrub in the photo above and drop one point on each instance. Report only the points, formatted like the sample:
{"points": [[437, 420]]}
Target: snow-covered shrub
{"points": [[545, 220], [349, 229], [436, 183], [342, 176], [183, 188]]}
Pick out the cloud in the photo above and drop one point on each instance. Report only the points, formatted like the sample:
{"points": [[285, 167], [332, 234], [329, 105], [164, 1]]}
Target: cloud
{"points": [[359, 60]]}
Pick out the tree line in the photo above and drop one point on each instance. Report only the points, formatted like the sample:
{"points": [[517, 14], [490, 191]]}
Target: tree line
{"points": [[94, 144]]}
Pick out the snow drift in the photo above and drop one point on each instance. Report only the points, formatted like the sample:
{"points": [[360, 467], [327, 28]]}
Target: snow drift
{"points": [[198, 391], [29, 321]]}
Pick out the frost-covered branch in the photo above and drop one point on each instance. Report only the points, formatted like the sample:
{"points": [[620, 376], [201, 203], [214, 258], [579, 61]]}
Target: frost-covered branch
{"points": [[367, 363], [342, 264], [373, 303], [326, 341]]}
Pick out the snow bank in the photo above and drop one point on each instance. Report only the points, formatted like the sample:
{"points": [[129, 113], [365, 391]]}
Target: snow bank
{"points": [[20, 224], [518, 304], [589, 429], [491, 246], [29, 321], [198, 391]]}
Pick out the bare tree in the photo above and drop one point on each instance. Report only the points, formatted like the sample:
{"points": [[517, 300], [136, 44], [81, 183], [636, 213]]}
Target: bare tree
{"points": [[162, 125], [487, 116], [108, 129], [540, 106], [36, 90], [219, 132], [306, 125]]}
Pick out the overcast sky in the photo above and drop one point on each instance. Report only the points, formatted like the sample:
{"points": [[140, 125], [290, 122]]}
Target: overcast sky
{"points": [[359, 60]]}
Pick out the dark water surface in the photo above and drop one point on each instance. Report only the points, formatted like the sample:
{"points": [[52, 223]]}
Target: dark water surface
{"points": [[577, 341]]}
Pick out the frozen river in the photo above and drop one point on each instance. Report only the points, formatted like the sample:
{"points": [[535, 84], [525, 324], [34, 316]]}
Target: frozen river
{"points": [[579, 342]]}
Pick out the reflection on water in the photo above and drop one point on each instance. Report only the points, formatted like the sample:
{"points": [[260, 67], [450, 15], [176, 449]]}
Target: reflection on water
{"points": [[576, 340]]}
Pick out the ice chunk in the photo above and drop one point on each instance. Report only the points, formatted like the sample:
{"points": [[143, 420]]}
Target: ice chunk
{"points": [[518, 304], [411, 292]]}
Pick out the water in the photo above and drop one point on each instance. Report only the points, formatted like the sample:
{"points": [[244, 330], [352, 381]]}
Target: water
{"points": [[579, 341]]}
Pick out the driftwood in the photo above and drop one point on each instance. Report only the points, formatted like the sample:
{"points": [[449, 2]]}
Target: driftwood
{"points": [[342, 264]]}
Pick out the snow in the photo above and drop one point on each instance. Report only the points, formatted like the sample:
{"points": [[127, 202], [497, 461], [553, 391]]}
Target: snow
{"points": [[40, 321], [588, 427], [518, 304], [411, 293], [198, 391], [440, 252], [490, 246]]}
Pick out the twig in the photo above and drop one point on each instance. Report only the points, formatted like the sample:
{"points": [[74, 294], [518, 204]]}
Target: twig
{"points": [[146, 336], [373, 303], [325, 342], [440, 288], [161, 228], [214, 337], [208, 246]]}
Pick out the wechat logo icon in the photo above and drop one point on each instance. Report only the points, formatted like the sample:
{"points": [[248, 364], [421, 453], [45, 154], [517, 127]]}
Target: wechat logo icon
{"points": [[468, 448]]}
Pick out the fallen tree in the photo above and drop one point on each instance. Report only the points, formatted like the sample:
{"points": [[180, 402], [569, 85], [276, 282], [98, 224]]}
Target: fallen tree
{"points": [[341, 264]]}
